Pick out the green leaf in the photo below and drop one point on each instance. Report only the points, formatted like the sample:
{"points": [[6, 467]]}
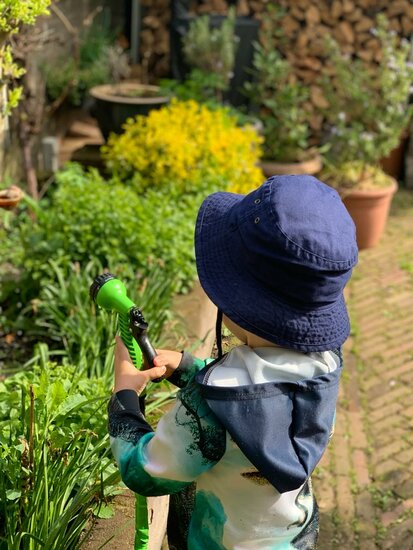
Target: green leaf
{"points": [[12, 494], [70, 403], [105, 511]]}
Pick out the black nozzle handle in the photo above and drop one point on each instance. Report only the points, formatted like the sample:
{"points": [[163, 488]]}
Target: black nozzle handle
{"points": [[138, 327], [147, 349]]}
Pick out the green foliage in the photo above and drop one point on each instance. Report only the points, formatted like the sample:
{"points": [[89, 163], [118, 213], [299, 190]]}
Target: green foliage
{"points": [[65, 315], [87, 225], [355, 174], [210, 52], [55, 469], [14, 13], [198, 86], [9, 71], [88, 217], [368, 106], [280, 97]]}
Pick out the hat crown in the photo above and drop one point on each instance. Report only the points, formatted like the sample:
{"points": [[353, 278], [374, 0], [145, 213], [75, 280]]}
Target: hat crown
{"points": [[303, 219], [297, 238]]}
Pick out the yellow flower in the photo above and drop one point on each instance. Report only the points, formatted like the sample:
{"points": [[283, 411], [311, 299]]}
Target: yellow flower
{"points": [[184, 142]]}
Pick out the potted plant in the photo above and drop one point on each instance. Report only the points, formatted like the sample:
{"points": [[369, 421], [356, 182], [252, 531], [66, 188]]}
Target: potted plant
{"points": [[368, 112], [209, 49], [213, 51], [280, 101]]}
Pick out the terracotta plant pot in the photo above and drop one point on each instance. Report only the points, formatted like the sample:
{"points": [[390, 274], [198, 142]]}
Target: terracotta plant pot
{"points": [[310, 166], [9, 198], [115, 103], [369, 210]]}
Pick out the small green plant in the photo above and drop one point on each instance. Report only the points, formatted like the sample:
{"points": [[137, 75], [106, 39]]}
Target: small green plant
{"points": [[210, 53], [355, 174], [89, 217], [368, 106], [56, 470], [86, 217], [279, 96]]}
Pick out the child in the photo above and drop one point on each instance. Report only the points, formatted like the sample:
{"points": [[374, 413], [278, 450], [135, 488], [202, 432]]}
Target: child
{"points": [[251, 426]]}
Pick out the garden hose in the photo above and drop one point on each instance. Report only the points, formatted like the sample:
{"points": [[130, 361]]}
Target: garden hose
{"points": [[109, 293]]}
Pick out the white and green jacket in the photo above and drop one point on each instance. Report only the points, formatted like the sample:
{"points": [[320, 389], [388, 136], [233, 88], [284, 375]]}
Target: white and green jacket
{"points": [[249, 428]]}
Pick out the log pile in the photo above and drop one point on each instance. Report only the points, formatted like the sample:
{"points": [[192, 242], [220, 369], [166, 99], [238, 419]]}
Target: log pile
{"points": [[305, 25]]}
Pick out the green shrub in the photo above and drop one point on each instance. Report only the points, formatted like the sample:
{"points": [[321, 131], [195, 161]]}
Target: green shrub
{"points": [[369, 107], [85, 218], [90, 218]]}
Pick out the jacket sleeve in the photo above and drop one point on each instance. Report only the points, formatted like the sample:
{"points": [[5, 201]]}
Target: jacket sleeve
{"points": [[187, 369], [188, 441]]}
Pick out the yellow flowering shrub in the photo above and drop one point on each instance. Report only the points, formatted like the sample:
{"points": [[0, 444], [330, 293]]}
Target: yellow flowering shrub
{"points": [[185, 143]]}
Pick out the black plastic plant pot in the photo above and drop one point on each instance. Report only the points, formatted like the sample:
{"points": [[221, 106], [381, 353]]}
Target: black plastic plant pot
{"points": [[115, 103], [246, 29]]}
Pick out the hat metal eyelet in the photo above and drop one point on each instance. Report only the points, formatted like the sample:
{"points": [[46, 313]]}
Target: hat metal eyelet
{"points": [[257, 220], [257, 201]]}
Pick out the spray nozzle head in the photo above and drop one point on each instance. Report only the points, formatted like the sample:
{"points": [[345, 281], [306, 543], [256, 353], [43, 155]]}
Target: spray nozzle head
{"points": [[97, 284], [110, 293]]}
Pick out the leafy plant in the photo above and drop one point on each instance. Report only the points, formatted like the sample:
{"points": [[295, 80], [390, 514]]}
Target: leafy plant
{"points": [[279, 96], [56, 471], [185, 146], [210, 52], [13, 14], [89, 217], [55, 464], [368, 106], [355, 174]]}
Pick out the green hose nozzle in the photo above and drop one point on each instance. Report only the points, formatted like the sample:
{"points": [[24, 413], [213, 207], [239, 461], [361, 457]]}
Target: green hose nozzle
{"points": [[110, 294]]}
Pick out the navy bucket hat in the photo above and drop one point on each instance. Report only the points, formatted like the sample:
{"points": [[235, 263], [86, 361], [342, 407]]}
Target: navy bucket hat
{"points": [[276, 261]]}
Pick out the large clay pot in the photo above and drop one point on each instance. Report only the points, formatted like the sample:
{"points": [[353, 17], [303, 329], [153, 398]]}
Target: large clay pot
{"points": [[369, 210], [311, 166], [115, 103]]}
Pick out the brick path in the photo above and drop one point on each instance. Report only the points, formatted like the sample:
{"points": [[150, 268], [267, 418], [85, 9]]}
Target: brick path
{"points": [[364, 484]]}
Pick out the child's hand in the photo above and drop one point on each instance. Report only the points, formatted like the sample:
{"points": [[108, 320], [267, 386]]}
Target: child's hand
{"points": [[128, 377], [169, 359]]}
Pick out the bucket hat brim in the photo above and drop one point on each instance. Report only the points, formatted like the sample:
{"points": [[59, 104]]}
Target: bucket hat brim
{"points": [[248, 302]]}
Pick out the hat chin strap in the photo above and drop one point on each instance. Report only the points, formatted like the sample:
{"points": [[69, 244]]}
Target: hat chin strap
{"points": [[218, 333]]}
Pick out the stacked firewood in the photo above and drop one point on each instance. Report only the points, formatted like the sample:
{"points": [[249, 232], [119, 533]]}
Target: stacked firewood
{"points": [[304, 25], [154, 38]]}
